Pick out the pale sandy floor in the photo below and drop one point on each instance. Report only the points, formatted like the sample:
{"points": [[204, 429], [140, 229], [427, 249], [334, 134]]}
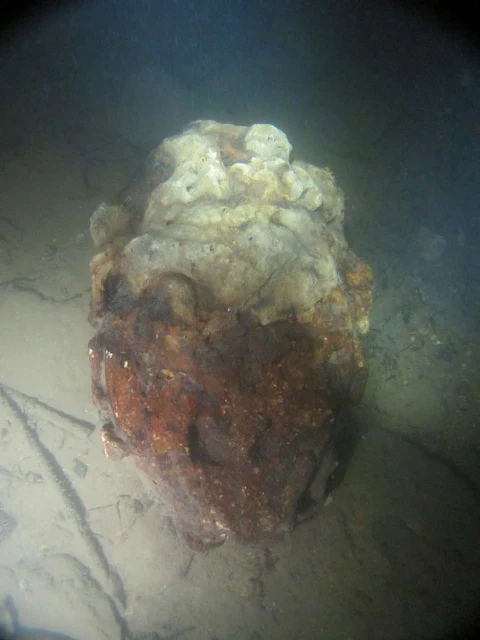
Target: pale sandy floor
{"points": [[85, 547]]}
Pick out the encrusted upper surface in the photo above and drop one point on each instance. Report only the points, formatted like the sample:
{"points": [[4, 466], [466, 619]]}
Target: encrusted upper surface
{"points": [[239, 220]]}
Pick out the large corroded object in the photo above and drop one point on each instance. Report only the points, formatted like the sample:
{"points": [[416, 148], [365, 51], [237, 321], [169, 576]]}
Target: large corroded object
{"points": [[229, 313]]}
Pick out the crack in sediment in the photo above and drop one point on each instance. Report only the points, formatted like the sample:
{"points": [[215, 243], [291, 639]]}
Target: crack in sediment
{"points": [[450, 465], [22, 284], [84, 425], [72, 501]]}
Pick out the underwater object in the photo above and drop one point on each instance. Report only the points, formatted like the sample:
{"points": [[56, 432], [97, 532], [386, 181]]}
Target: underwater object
{"points": [[229, 314]]}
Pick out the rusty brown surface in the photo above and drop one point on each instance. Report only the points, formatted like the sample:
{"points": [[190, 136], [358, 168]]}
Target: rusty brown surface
{"points": [[233, 426]]}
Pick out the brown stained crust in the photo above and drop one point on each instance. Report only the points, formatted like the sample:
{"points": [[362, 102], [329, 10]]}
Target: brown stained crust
{"points": [[233, 426]]}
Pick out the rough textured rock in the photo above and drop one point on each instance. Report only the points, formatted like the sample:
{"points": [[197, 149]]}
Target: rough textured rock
{"points": [[229, 314]]}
